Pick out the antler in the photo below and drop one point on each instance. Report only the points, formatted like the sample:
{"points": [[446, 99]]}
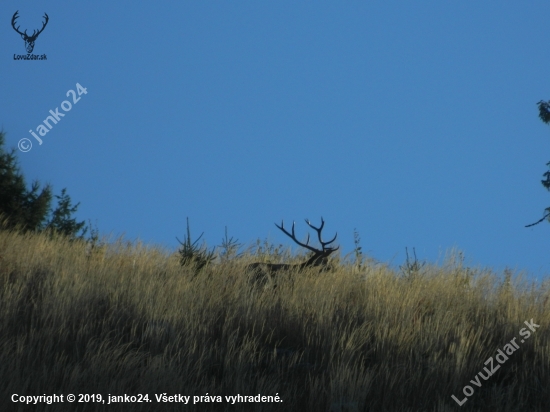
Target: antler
{"points": [[15, 16], [306, 245], [318, 230], [34, 33]]}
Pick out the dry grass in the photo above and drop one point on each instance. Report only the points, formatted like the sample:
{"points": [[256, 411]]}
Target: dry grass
{"points": [[127, 319]]}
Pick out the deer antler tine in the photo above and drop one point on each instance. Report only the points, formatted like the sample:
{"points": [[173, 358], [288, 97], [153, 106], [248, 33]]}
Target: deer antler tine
{"points": [[319, 230], [292, 235], [13, 19], [330, 241], [316, 228], [43, 24]]}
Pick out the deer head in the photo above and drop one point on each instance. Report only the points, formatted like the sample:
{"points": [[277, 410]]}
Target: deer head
{"points": [[29, 40], [319, 257], [266, 274]]}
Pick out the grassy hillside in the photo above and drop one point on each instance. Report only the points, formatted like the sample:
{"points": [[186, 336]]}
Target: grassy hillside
{"points": [[127, 319]]}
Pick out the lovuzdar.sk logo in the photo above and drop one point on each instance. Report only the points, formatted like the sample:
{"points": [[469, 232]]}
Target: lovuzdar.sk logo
{"points": [[29, 40]]}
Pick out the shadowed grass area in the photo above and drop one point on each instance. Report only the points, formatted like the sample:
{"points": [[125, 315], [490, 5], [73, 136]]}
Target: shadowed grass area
{"points": [[128, 319]]}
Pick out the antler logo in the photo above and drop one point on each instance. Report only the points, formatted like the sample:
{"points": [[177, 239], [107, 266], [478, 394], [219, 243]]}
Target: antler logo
{"points": [[29, 40]]}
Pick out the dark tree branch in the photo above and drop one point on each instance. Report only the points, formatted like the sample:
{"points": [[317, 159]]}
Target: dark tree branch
{"points": [[539, 221]]}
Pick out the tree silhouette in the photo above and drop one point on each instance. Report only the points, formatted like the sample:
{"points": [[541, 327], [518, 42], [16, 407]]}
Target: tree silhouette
{"points": [[544, 115], [61, 220], [28, 210]]}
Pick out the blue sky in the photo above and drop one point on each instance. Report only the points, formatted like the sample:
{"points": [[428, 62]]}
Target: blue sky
{"points": [[413, 122]]}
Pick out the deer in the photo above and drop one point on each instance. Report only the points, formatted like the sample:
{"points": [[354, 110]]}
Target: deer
{"points": [[29, 40], [263, 272]]}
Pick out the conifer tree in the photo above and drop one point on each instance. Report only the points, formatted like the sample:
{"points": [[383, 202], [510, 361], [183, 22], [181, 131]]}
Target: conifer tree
{"points": [[61, 221], [544, 115], [28, 210], [23, 209]]}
